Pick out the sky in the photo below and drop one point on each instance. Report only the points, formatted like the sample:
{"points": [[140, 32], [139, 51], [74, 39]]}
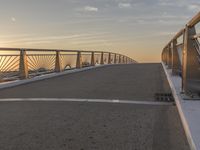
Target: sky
{"points": [[136, 28]]}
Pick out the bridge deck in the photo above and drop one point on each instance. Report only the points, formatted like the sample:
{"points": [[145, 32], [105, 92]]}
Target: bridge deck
{"points": [[88, 126], [138, 82]]}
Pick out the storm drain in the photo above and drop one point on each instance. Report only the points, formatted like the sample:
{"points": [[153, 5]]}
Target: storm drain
{"points": [[164, 97]]}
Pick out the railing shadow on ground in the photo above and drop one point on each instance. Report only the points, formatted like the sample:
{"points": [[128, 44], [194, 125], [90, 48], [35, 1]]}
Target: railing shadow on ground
{"points": [[182, 55], [17, 63]]}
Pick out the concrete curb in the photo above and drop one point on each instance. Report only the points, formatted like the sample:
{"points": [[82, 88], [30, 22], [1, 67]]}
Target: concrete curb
{"points": [[180, 110]]}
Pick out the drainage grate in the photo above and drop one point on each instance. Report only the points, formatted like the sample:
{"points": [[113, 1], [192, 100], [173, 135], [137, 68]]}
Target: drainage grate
{"points": [[164, 97]]}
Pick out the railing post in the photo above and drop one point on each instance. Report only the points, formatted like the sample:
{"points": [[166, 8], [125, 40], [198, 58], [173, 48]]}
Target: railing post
{"points": [[92, 59], [115, 59], [23, 65], [102, 58], [79, 60], [58, 67], [191, 63], [109, 58]]}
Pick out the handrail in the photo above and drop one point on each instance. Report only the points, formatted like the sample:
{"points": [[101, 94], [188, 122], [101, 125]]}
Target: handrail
{"points": [[189, 63], [51, 50], [194, 20], [26, 61]]}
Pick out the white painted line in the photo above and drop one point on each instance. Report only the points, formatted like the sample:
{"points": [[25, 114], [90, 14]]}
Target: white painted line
{"points": [[184, 120], [47, 76], [87, 100]]}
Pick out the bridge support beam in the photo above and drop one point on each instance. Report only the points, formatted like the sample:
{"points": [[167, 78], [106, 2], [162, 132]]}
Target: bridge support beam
{"points": [[58, 66], [23, 65], [102, 58], [92, 59], [79, 60]]}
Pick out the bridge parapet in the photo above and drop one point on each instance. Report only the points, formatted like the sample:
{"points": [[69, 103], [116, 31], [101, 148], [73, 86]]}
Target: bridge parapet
{"points": [[182, 55], [17, 63]]}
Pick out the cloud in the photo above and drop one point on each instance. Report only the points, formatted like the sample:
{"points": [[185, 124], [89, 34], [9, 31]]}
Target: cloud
{"points": [[13, 19], [124, 5], [49, 39], [91, 9], [194, 7]]}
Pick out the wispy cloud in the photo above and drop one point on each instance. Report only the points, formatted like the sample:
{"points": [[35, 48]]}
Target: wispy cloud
{"points": [[124, 5], [188, 5], [194, 7], [49, 39], [13, 19], [91, 9]]}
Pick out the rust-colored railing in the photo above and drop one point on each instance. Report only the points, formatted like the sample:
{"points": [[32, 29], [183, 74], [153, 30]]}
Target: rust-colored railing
{"points": [[16, 63], [182, 55]]}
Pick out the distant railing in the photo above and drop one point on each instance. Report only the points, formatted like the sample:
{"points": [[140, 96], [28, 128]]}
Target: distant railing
{"points": [[182, 55], [18, 63]]}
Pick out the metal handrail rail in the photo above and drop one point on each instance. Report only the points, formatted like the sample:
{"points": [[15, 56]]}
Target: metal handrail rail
{"points": [[52, 50], [60, 50], [194, 20]]}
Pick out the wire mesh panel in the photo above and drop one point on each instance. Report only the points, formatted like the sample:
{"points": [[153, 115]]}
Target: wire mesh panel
{"points": [[97, 58], [41, 62], [68, 60], [9, 65], [86, 59]]}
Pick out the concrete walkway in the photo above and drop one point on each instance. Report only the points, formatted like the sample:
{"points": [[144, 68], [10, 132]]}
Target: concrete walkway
{"points": [[61, 125]]}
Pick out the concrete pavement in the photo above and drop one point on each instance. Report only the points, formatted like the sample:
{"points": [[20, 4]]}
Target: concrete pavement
{"points": [[137, 81], [89, 126], [50, 125]]}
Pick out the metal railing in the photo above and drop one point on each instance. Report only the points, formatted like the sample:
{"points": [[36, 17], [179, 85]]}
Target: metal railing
{"points": [[16, 63], [184, 58]]}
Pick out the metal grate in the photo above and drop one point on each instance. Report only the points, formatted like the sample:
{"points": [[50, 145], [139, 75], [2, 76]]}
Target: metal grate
{"points": [[164, 97]]}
